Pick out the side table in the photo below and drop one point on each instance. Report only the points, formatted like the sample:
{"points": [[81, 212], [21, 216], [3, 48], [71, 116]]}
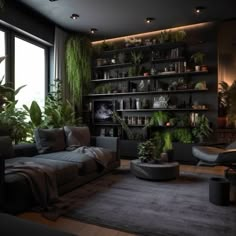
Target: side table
{"points": [[162, 171]]}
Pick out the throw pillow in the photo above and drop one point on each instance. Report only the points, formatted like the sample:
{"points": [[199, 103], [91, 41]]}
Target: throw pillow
{"points": [[50, 140], [6, 147], [77, 136]]}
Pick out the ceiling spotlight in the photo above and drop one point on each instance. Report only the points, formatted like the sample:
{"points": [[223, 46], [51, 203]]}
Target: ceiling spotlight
{"points": [[74, 16], [149, 20], [199, 10], [93, 30]]}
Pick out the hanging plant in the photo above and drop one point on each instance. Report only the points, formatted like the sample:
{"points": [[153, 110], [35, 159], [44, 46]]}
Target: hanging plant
{"points": [[78, 66]]}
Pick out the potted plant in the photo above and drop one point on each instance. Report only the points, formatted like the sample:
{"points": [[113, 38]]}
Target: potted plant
{"points": [[179, 36], [146, 151], [202, 128], [167, 151], [136, 59], [198, 59], [158, 118]]}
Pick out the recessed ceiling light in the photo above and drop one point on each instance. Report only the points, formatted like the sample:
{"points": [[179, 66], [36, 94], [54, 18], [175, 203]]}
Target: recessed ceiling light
{"points": [[199, 10], [74, 16], [148, 20], [93, 30]]}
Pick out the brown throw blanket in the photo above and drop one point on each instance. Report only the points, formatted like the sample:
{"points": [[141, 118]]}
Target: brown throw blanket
{"points": [[100, 155]]}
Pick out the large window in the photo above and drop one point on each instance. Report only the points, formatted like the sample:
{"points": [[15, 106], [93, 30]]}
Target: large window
{"points": [[29, 71], [2, 53]]}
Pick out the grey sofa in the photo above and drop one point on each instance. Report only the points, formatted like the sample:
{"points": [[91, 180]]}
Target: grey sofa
{"points": [[71, 169]]}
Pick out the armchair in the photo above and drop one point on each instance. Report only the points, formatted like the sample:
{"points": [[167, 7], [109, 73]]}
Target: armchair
{"points": [[211, 156]]}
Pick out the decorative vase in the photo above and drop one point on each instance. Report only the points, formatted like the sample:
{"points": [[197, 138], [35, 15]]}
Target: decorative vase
{"points": [[197, 68]]}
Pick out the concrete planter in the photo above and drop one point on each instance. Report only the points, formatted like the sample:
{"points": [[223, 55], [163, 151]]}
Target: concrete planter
{"points": [[129, 148]]}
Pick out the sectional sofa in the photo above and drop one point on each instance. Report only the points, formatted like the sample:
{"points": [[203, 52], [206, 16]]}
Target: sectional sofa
{"points": [[56, 149]]}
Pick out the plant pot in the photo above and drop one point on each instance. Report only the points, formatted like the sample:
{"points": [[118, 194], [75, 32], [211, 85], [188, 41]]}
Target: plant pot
{"points": [[221, 122], [197, 68], [204, 68]]}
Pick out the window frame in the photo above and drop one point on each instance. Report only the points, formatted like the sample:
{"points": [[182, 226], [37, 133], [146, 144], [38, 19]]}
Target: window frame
{"points": [[10, 35]]}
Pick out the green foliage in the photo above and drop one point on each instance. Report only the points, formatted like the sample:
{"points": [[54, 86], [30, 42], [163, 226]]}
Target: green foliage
{"points": [[232, 102], [78, 66], [102, 89], [136, 59], [164, 36], [179, 36], [7, 94], [202, 128], [14, 120], [124, 126], [198, 58], [167, 141], [158, 143], [223, 98], [159, 118], [146, 151], [35, 113], [182, 135]]}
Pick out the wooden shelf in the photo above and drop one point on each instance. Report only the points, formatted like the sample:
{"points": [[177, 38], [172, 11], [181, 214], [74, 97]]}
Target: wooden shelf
{"points": [[149, 92], [163, 60], [122, 78], [151, 76], [113, 65], [145, 47], [162, 109], [106, 124]]}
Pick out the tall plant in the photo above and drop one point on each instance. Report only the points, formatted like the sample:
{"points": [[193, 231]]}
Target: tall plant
{"points": [[78, 66]]}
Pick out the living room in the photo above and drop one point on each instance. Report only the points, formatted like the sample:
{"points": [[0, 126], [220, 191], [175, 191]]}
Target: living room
{"points": [[149, 85]]}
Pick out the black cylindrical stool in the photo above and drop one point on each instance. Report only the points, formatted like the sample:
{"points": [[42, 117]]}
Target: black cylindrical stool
{"points": [[219, 191]]}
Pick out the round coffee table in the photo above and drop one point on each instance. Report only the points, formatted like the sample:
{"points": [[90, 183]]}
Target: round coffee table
{"points": [[162, 171]]}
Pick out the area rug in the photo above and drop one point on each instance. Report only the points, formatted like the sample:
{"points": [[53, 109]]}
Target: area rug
{"points": [[178, 207]]}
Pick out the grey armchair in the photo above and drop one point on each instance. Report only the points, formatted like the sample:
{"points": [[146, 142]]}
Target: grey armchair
{"points": [[210, 155]]}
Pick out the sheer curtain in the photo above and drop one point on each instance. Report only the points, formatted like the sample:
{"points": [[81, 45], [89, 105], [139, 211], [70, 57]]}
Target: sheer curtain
{"points": [[59, 60]]}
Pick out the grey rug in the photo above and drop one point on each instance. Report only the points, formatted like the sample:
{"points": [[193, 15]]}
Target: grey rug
{"points": [[179, 207]]}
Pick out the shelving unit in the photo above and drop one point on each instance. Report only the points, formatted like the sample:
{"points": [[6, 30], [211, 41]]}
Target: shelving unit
{"points": [[160, 57]]}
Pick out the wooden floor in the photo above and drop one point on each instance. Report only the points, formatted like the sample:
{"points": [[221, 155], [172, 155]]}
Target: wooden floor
{"points": [[83, 229]]}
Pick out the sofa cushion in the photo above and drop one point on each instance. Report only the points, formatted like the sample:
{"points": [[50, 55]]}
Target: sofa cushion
{"points": [[50, 140], [6, 147], [84, 163], [77, 136]]}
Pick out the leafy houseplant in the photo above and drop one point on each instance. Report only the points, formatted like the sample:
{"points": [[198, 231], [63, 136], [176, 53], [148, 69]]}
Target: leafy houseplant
{"points": [[198, 59], [78, 66], [182, 135], [14, 121], [159, 118], [136, 59], [167, 150], [227, 102], [202, 128], [146, 151]]}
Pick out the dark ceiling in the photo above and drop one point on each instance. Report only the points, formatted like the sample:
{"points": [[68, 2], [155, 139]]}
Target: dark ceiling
{"points": [[115, 18]]}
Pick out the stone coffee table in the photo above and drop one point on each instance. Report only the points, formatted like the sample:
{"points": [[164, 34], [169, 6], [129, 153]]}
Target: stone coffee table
{"points": [[162, 171]]}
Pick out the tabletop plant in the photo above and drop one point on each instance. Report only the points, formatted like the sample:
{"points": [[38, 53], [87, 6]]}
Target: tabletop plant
{"points": [[159, 118], [198, 59], [146, 151]]}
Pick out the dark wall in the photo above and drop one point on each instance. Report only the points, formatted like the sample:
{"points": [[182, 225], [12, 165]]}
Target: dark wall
{"points": [[22, 18]]}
